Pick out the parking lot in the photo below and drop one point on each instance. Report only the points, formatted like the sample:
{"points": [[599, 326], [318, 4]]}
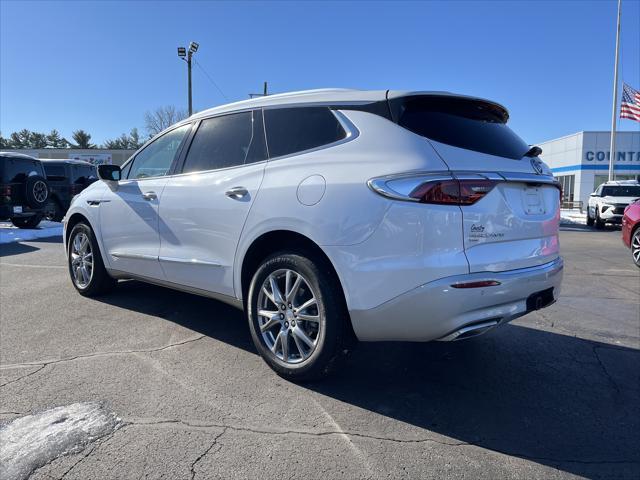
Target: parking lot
{"points": [[556, 394]]}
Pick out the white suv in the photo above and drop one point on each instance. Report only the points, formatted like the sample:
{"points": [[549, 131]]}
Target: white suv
{"points": [[331, 216], [608, 202]]}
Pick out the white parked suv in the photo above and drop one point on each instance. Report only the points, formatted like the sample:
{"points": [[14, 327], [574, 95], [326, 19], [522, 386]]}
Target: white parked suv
{"points": [[607, 203], [331, 216]]}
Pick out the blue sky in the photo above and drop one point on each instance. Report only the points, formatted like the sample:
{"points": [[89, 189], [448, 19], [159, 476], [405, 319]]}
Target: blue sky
{"points": [[100, 65]]}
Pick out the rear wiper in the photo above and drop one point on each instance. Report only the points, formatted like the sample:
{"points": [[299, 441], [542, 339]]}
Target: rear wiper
{"points": [[533, 152]]}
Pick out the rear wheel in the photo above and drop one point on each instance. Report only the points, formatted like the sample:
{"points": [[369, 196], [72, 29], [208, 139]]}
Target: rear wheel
{"points": [[635, 247], [54, 211], [86, 268], [27, 222], [297, 316]]}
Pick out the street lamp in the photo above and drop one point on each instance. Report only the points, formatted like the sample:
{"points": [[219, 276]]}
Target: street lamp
{"points": [[182, 52]]}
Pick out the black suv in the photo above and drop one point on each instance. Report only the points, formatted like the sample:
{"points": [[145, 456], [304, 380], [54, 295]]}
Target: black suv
{"points": [[66, 179], [24, 192]]}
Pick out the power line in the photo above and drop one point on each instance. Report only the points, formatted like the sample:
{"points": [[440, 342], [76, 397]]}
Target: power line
{"points": [[211, 79]]}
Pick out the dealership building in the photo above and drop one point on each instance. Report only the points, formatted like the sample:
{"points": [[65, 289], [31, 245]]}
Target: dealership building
{"points": [[581, 161]]}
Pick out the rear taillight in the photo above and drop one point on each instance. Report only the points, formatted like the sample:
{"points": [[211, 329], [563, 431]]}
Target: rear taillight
{"points": [[452, 192]]}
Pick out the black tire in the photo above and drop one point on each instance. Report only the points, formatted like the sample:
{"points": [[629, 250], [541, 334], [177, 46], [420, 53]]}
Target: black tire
{"points": [[27, 222], [589, 219], [333, 333], [599, 222], [36, 191], [635, 247], [55, 212], [100, 281]]}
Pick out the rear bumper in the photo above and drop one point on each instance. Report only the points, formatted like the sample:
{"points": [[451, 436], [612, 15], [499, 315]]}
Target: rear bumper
{"points": [[6, 211], [437, 311]]}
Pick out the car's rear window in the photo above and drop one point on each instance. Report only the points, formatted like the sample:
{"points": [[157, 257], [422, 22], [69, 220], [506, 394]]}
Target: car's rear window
{"points": [[621, 191], [293, 130], [14, 169], [465, 123]]}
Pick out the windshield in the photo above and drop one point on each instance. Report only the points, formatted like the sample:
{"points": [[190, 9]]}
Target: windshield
{"points": [[621, 191], [464, 123]]}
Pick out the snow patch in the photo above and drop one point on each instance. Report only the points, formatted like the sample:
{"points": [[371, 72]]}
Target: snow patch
{"points": [[573, 217], [10, 234], [29, 442]]}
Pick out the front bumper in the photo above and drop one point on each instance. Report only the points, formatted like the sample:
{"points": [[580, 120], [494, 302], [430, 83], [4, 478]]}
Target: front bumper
{"points": [[436, 310]]}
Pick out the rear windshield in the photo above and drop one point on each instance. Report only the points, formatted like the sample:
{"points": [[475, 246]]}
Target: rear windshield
{"points": [[470, 124], [14, 169], [621, 191]]}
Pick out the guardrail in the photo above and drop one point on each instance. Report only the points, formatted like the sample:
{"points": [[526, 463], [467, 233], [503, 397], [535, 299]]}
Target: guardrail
{"points": [[572, 205]]}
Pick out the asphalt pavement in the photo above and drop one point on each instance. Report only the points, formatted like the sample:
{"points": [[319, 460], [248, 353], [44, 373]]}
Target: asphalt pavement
{"points": [[555, 394]]}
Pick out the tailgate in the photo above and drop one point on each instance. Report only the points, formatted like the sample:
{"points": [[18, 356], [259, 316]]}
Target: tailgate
{"points": [[516, 224]]}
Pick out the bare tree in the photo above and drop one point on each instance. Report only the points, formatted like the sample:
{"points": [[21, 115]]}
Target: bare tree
{"points": [[161, 118]]}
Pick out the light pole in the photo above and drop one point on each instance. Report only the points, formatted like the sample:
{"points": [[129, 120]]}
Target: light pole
{"points": [[182, 53]]}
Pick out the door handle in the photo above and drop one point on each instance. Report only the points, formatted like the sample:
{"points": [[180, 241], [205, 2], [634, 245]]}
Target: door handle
{"points": [[149, 195], [236, 192]]}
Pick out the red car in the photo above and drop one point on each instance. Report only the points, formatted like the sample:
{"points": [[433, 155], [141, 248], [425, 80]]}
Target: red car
{"points": [[631, 230]]}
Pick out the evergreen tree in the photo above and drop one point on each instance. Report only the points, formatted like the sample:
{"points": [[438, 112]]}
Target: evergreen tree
{"points": [[82, 139]]}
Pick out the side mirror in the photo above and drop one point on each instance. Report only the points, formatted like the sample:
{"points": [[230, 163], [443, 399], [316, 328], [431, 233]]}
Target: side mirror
{"points": [[109, 173]]}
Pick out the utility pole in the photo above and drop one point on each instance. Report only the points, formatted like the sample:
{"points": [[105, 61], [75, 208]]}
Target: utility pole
{"points": [[612, 149], [182, 53]]}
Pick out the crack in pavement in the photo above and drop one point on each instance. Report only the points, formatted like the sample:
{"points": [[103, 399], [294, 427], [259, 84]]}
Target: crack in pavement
{"points": [[43, 364], [604, 369], [326, 433], [26, 375], [206, 452]]}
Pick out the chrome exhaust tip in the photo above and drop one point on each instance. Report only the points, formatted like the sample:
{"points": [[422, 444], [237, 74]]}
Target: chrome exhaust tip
{"points": [[471, 330]]}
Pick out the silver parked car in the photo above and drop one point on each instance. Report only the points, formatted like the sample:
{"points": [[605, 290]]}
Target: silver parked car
{"points": [[331, 216]]}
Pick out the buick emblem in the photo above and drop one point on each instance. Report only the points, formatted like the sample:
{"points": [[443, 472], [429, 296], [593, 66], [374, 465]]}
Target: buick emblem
{"points": [[537, 166]]}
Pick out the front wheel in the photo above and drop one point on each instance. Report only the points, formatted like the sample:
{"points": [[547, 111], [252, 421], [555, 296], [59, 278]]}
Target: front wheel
{"points": [[635, 247], [297, 316], [599, 222], [589, 219], [27, 222], [86, 268]]}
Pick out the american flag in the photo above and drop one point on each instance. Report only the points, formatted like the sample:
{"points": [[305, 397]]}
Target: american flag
{"points": [[630, 106]]}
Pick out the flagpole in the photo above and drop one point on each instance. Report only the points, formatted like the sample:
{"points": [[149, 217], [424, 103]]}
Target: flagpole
{"points": [[612, 149]]}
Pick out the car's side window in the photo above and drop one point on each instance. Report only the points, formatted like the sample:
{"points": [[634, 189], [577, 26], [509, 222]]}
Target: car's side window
{"points": [[291, 130], [227, 141], [156, 159]]}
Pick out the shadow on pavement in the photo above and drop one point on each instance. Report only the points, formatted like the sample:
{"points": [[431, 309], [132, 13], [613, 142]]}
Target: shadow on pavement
{"points": [[557, 400], [15, 248], [577, 227]]}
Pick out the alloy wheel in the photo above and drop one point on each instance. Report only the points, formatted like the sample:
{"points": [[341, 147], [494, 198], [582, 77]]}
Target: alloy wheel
{"points": [[288, 316], [40, 191], [635, 247], [81, 260]]}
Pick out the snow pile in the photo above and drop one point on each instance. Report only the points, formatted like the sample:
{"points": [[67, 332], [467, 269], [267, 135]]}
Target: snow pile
{"points": [[9, 233], [573, 217], [29, 442]]}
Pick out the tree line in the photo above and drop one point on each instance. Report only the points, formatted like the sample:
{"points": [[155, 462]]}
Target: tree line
{"points": [[155, 122]]}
